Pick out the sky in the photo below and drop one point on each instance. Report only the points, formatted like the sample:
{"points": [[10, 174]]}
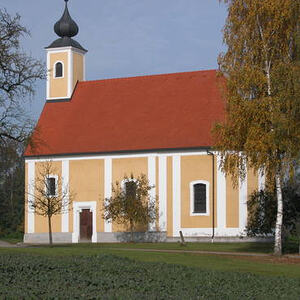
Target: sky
{"points": [[127, 37]]}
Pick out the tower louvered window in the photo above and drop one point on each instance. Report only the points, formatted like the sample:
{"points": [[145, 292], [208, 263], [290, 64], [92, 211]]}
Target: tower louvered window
{"points": [[58, 70]]}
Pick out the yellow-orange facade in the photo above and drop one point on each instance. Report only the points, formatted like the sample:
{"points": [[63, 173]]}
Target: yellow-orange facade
{"points": [[90, 179]]}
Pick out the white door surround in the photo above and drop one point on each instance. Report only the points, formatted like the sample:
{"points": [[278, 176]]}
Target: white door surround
{"points": [[77, 209]]}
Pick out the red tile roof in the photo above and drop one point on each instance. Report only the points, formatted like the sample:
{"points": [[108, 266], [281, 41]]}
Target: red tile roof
{"points": [[166, 111]]}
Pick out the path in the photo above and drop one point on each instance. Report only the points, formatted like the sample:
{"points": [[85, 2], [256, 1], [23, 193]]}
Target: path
{"points": [[203, 252]]}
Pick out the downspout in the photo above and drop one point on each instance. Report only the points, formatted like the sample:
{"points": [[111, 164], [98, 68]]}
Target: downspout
{"points": [[213, 195]]}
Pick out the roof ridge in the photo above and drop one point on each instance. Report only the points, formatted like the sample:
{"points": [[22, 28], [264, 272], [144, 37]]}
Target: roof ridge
{"points": [[144, 76]]}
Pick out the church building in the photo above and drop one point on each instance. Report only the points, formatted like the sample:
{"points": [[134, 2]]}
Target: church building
{"points": [[96, 132]]}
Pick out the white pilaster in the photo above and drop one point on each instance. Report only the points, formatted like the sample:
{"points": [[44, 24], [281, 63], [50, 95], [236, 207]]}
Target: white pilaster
{"points": [[71, 74], [162, 166], [221, 197], [152, 182], [48, 75], [84, 67], [30, 189], [107, 188], [65, 190], [176, 194], [243, 197]]}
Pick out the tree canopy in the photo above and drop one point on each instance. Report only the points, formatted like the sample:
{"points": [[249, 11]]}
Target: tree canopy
{"points": [[18, 74], [262, 92]]}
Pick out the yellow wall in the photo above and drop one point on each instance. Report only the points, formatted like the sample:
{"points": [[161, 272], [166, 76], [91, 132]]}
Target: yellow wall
{"points": [[169, 197], [252, 182], [126, 166], [195, 168], [87, 184], [77, 68], [41, 223], [59, 86], [232, 204]]}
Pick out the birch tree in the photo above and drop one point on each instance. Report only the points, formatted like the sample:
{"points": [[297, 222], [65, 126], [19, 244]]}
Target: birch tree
{"points": [[261, 129]]}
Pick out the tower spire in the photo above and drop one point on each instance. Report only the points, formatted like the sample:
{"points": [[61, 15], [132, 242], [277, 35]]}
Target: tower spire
{"points": [[66, 28]]}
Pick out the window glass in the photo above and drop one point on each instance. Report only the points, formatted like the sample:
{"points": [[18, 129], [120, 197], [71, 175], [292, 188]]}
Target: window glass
{"points": [[51, 186], [58, 70], [130, 189], [200, 198]]}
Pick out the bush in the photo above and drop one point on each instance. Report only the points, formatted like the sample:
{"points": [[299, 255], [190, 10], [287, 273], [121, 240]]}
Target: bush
{"points": [[262, 210]]}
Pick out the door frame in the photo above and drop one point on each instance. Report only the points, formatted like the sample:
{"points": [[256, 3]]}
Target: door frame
{"points": [[77, 209]]}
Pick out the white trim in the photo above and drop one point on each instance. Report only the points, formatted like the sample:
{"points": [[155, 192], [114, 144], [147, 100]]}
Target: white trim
{"points": [[261, 180], [176, 194], [77, 208], [48, 76], [243, 197], [152, 182], [70, 72], [221, 196], [64, 49], [31, 190], [107, 188], [54, 70], [65, 188], [162, 197], [123, 186], [84, 64], [113, 156], [192, 200], [57, 98]]}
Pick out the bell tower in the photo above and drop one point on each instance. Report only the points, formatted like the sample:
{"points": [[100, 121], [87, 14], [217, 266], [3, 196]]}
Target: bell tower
{"points": [[65, 60]]}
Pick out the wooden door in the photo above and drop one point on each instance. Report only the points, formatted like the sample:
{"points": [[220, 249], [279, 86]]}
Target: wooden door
{"points": [[86, 224]]}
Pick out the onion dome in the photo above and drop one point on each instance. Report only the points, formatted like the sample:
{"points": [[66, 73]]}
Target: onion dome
{"points": [[66, 28]]}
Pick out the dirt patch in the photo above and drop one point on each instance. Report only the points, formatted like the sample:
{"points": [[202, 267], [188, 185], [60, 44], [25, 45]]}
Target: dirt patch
{"points": [[287, 260]]}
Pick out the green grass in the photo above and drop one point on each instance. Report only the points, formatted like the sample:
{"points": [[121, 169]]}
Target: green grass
{"points": [[207, 262], [55, 275], [219, 247]]}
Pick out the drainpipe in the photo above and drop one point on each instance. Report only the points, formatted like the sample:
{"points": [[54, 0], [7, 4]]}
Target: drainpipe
{"points": [[213, 195]]}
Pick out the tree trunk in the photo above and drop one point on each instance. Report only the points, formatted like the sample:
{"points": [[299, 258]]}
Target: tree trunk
{"points": [[50, 231], [278, 228]]}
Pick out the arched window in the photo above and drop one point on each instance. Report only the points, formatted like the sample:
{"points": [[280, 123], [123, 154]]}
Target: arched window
{"points": [[58, 70], [199, 197]]}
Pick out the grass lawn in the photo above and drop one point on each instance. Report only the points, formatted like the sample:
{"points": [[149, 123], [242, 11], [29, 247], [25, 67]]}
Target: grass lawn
{"points": [[218, 247], [267, 266]]}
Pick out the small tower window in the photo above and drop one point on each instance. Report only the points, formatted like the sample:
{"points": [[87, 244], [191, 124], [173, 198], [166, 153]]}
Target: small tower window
{"points": [[58, 70]]}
